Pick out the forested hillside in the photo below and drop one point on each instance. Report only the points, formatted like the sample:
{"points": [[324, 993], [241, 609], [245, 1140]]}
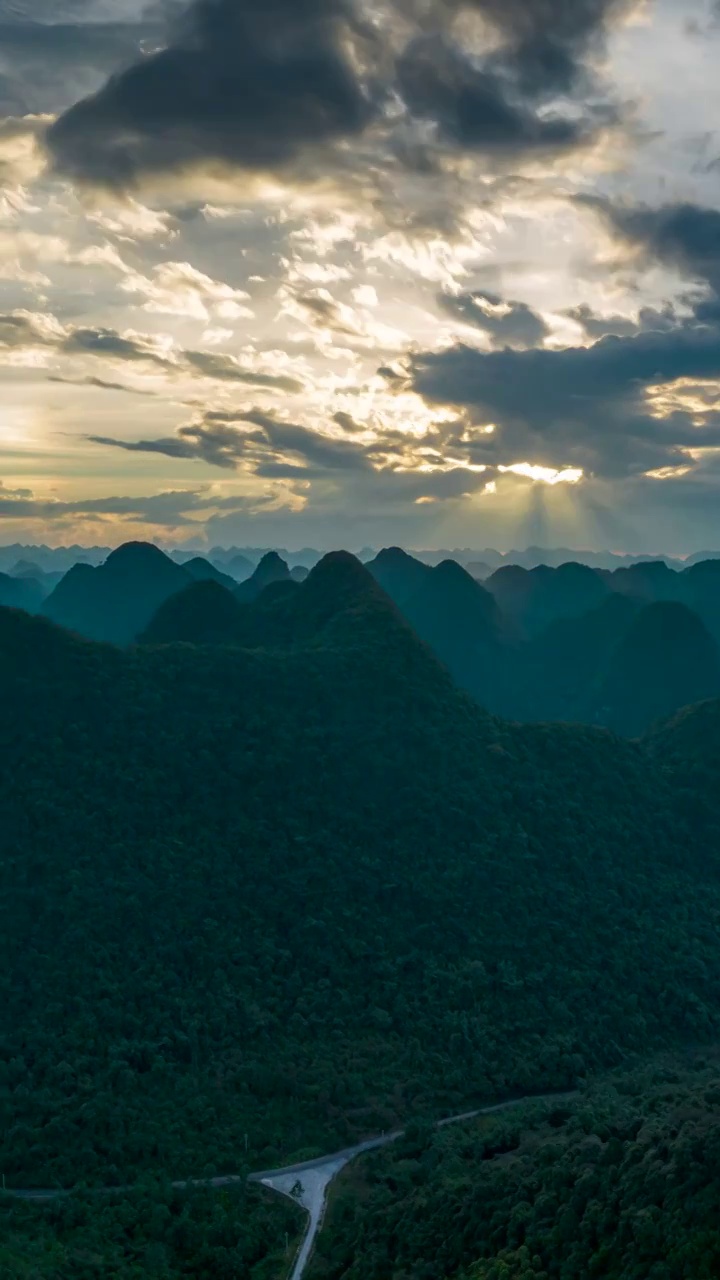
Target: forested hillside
{"points": [[619, 648], [299, 892], [621, 1183]]}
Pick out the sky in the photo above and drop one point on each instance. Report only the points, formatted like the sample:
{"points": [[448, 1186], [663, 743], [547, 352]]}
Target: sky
{"points": [[317, 272]]}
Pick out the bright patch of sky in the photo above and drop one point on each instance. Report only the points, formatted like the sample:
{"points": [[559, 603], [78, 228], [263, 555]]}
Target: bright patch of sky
{"points": [[460, 287]]}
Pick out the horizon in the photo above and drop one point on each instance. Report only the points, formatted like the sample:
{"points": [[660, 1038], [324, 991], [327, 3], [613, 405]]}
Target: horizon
{"points": [[362, 553], [460, 287]]}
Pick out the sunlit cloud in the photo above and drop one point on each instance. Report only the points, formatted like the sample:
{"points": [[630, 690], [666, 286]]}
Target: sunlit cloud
{"points": [[438, 290], [569, 475]]}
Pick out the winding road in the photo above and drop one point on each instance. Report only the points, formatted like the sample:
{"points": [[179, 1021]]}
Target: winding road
{"points": [[307, 1183]]}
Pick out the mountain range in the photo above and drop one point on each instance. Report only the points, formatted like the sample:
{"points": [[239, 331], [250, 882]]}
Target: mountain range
{"points": [[239, 562], [271, 881], [619, 649]]}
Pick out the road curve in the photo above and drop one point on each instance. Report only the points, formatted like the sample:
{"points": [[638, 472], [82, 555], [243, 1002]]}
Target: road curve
{"points": [[307, 1183]]}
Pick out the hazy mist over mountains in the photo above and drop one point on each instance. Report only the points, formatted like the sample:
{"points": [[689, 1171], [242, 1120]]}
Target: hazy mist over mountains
{"points": [[20, 559]]}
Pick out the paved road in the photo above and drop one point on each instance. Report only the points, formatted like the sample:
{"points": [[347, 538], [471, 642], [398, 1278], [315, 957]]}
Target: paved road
{"points": [[307, 1183]]}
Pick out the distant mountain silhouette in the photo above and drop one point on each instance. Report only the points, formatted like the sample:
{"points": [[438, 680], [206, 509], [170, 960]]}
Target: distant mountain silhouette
{"points": [[270, 569], [203, 613], [26, 569], [115, 601], [513, 589], [650, 580], [399, 574], [666, 660], [21, 593], [530, 644], [460, 621], [239, 568], [565, 592], [339, 602], [550, 677], [478, 569], [534, 598], [699, 587], [203, 570]]}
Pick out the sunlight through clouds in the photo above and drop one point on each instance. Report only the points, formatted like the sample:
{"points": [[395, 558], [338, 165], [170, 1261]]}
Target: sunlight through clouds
{"points": [[436, 256]]}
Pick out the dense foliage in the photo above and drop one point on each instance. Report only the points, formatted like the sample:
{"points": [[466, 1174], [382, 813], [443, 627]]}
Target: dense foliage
{"points": [[149, 1234], [622, 1183], [259, 899], [300, 892]]}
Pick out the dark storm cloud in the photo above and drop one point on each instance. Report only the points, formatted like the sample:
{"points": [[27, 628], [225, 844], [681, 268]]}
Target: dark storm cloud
{"points": [[254, 84], [507, 323], [683, 235], [649, 318], [246, 82], [474, 108], [547, 41], [583, 407], [500, 104]]}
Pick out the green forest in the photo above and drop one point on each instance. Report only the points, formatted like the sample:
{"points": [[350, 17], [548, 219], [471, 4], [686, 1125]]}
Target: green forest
{"points": [[261, 902], [150, 1234], [620, 1182]]}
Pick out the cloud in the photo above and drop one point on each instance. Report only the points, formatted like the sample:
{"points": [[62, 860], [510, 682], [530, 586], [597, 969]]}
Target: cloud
{"points": [[31, 331], [507, 323], [102, 384], [179, 289], [245, 83], [225, 439], [613, 409], [682, 235], [223, 368], [132, 221], [171, 509], [473, 107], [315, 447], [115, 346], [598, 326], [319, 308], [44, 64], [546, 42], [13, 495], [264, 87], [22, 158], [532, 93]]}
